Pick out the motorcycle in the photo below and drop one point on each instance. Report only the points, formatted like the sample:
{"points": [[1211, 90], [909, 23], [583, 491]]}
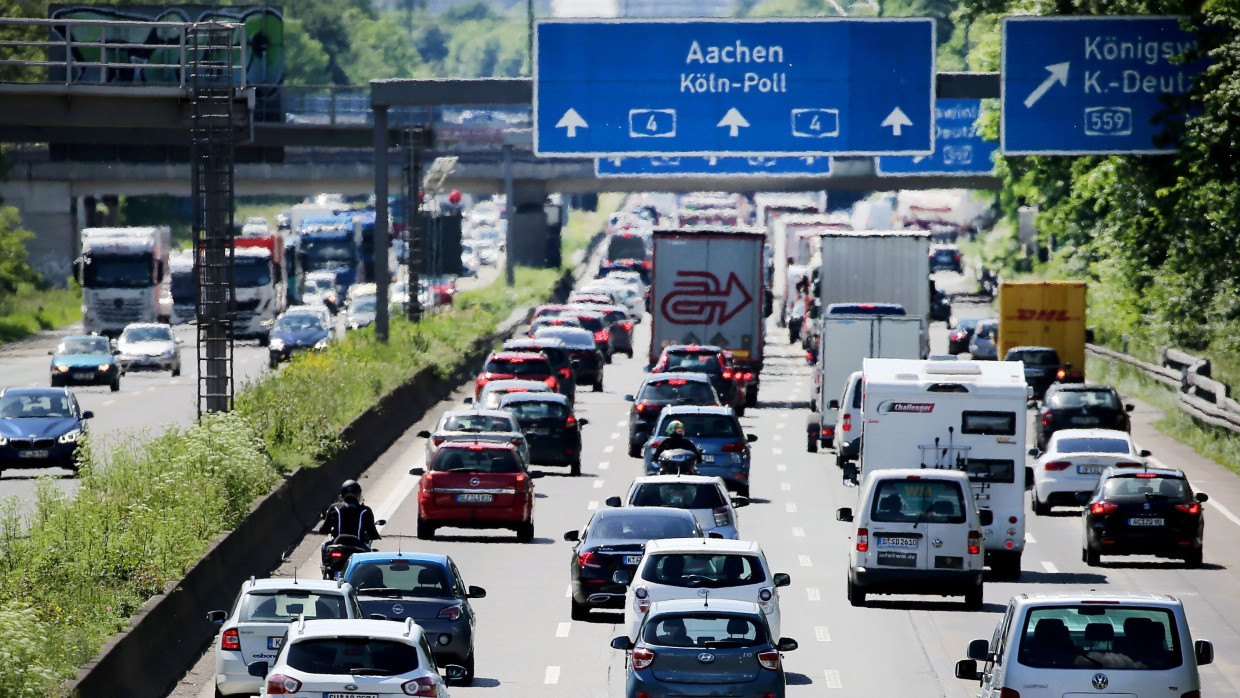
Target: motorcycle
{"points": [[678, 461], [335, 555]]}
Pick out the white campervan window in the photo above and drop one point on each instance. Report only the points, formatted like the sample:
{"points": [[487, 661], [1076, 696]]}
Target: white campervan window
{"points": [[991, 470], [988, 423]]}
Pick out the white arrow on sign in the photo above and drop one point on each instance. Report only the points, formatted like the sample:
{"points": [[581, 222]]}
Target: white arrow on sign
{"points": [[1058, 74], [897, 119], [734, 121], [572, 121]]}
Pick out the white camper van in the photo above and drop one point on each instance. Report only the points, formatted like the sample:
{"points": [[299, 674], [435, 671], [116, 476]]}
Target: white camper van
{"points": [[956, 415]]}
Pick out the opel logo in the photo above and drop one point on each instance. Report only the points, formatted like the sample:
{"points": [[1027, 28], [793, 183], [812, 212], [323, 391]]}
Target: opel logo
{"points": [[703, 592], [937, 542], [474, 482], [398, 609], [707, 658], [1100, 681], [350, 687]]}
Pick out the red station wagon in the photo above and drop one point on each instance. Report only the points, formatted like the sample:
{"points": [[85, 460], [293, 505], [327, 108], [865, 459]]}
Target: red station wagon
{"points": [[476, 485]]}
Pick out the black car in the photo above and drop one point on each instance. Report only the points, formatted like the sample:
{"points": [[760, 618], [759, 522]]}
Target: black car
{"points": [[1144, 512], [597, 324], [613, 541], [1042, 366], [587, 359], [948, 258], [551, 430], [958, 339], [700, 358], [660, 390], [556, 353], [940, 306], [296, 332], [1080, 406]]}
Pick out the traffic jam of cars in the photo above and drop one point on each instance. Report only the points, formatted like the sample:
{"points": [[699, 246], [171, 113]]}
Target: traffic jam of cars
{"points": [[947, 456]]}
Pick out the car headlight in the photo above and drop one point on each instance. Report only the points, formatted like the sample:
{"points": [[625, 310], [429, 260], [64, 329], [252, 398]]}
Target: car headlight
{"points": [[267, 323], [105, 367], [277, 344], [4, 441], [70, 436], [61, 368], [321, 344]]}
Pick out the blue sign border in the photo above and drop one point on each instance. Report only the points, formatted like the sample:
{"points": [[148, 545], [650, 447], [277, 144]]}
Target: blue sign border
{"points": [[687, 170], [937, 160]]}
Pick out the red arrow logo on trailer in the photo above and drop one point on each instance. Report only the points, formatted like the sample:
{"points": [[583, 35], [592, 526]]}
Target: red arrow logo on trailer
{"points": [[698, 298]]}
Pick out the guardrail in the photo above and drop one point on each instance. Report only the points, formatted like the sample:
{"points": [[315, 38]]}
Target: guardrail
{"points": [[1197, 394]]}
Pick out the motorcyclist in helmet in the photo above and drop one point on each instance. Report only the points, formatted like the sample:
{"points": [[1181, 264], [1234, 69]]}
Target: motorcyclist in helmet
{"points": [[349, 517], [676, 439]]}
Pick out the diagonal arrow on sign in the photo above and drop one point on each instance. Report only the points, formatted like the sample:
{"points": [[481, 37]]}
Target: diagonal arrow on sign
{"points": [[1058, 74]]}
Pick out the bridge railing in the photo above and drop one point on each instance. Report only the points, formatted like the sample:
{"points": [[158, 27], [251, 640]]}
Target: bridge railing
{"points": [[109, 52]]}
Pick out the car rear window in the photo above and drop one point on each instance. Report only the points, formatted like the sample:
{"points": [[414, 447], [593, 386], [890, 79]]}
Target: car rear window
{"points": [[865, 309], [678, 495], [591, 322], [705, 630], [692, 361], [1098, 637], [985, 330], [1091, 445], [480, 460], [922, 501], [403, 577], [352, 655], [704, 570], [706, 426], [1077, 399], [679, 389], [478, 422], [1035, 358], [626, 247], [1134, 486], [283, 606], [519, 366], [642, 526], [534, 411]]}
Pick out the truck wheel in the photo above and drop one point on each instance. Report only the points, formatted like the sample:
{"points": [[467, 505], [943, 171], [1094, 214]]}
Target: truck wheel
{"points": [[751, 396], [973, 598], [425, 530]]}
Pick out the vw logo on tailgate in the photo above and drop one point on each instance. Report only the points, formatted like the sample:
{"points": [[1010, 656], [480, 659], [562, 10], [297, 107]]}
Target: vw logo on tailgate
{"points": [[706, 657], [1100, 681]]}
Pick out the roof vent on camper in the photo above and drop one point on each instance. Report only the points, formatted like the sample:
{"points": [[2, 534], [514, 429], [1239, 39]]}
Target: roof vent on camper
{"points": [[953, 368]]}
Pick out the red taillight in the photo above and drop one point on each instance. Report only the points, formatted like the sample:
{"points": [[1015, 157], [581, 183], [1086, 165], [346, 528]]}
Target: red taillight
{"points": [[551, 382], [335, 554], [734, 447], [727, 375], [1147, 476], [566, 372], [436, 440], [570, 422], [1008, 693], [847, 426], [1057, 465], [1061, 374], [677, 381], [281, 685], [769, 659], [828, 432], [641, 658], [863, 540], [1192, 508], [721, 516], [602, 335], [975, 542], [1121, 422], [1047, 418], [628, 326], [646, 263], [230, 640], [424, 686], [1103, 507], [588, 559], [520, 484], [450, 613], [478, 383]]}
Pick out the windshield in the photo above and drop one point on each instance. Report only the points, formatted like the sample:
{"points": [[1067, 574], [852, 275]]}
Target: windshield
{"points": [[482, 460], [108, 271], [1138, 486], [20, 406], [519, 367], [1035, 358], [1092, 445], [704, 630], [285, 605], [678, 391], [147, 334], [320, 251], [408, 577], [678, 495], [712, 571], [299, 322], [1078, 399], [84, 345], [252, 271], [182, 287], [641, 526], [352, 655], [1100, 637], [478, 422], [363, 305], [918, 501], [537, 411], [705, 426]]}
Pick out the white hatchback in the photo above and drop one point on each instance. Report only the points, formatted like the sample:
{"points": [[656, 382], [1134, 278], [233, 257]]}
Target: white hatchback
{"points": [[705, 496], [494, 391], [1073, 460], [688, 568]]}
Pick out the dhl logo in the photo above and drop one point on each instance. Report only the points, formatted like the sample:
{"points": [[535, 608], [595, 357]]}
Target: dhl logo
{"points": [[1043, 314]]}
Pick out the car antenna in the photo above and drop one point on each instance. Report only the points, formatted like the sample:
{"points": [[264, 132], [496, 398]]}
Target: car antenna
{"points": [[294, 575], [706, 599]]}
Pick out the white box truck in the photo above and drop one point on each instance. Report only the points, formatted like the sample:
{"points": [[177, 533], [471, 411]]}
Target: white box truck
{"points": [[707, 287], [876, 266], [956, 415], [124, 274]]}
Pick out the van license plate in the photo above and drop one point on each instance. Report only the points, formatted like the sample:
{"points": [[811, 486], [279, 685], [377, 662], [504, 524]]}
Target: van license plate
{"points": [[1145, 521], [273, 643], [40, 453], [1089, 469], [474, 497], [898, 542]]}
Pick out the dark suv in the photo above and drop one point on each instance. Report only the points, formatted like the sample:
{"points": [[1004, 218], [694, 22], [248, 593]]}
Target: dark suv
{"points": [[1042, 366], [587, 359], [658, 391], [1080, 406], [551, 429], [702, 358], [519, 365], [557, 354], [948, 258]]}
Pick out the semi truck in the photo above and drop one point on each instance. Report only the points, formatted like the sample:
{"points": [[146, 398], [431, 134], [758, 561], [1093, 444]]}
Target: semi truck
{"points": [[184, 302], [260, 285], [707, 287], [124, 273], [330, 244], [1045, 314]]}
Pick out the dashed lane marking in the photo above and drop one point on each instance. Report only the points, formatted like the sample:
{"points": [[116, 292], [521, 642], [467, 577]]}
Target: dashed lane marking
{"points": [[781, 425], [833, 678], [608, 449], [105, 402], [592, 506], [805, 561], [615, 435], [552, 676], [604, 465], [561, 630], [781, 467], [598, 484], [777, 437], [777, 451], [1030, 539], [812, 594], [798, 532], [785, 487], [821, 634], [792, 508], [1050, 567]]}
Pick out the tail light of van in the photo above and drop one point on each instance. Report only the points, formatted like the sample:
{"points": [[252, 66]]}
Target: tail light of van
{"points": [[1056, 465], [641, 658], [769, 659], [551, 382], [735, 447], [847, 426], [281, 685], [230, 640], [863, 540], [722, 518], [828, 432], [975, 542], [422, 686], [1008, 693]]}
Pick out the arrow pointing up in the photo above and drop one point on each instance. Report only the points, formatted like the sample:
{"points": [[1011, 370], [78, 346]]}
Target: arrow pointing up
{"points": [[1058, 74], [896, 120], [572, 121], [734, 121]]}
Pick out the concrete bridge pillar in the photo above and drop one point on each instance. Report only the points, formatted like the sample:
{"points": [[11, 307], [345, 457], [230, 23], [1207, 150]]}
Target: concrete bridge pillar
{"points": [[48, 211], [532, 238]]}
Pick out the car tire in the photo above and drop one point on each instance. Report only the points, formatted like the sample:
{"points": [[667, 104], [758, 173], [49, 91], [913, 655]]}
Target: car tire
{"points": [[273, 362], [1091, 557], [574, 468], [116, 385], [1040, 508], [264, 340], [751, 396], [973, 599], [176, 371], [629, 353], [740, 411], [468, 665], [425, 530], [598, 386], [578, 611], [742, 491], [1194, 559], [635, 451], [525, 532], [607, 358], [856, 596], [811, 444], [1006, 566]]}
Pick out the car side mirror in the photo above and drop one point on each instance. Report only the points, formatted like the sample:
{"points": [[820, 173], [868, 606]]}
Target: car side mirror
{"points": [[624, 577], [621, 643], [781, 579], [454, 672], [51, 352], [833, 404], [739, 502], [377, 616], [1202, 497], [417, 471], [751, 437], [967, 669], [572, 536], [475, 593], [627, 398], [714, 535], [786, 644], [88, 415], [979, 650], [258, 669], [1034, 452], [1204, 650], [844, 514], [469, 401], [582, 422], [986, 517], [613, 502], [425, 434], [217, 617], [1028, 478], [1128, 408], [1144, 453]]}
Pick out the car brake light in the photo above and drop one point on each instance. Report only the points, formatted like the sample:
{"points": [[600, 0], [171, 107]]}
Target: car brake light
{"points": [[975, 542], [550, 381], [450, 613], [769, 659], [478, 383], [281, 685], [1147, 476], [570, 422], [847, 426], [436, 440], [641, 658], [520, 484], [721, 516], [646, 263], [863, 540], [1103, 507], [422, 686], [566, 372], [734, 447], [1061, 374], [1192, 508], [1057, 465], [335, 554], [230, 640], [748, 376], [1047, 418], [727, 375], [628, 326], [588, 559], [828, 432], [677, 381], [602, 335]]}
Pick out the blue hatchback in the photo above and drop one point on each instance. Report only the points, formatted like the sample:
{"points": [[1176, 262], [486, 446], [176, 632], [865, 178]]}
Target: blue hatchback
{"points": [[717, 432], [427, 588], [40, 428], [85, 360]]}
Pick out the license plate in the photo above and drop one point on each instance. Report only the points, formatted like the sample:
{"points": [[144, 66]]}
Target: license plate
{"points": [[350, 695], [1145, 521], [707, 458], [1084, 420], [40, 453], [474, 497], [1089, 469], [82, 375], [897, 542], [538, 432], [897, 558], [273, 643], [632, 559]]}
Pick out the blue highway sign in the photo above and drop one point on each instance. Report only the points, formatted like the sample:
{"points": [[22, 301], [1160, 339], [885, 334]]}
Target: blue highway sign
{"points": [[610, 88], [1090, 85], [700, 166], [958, 148]]}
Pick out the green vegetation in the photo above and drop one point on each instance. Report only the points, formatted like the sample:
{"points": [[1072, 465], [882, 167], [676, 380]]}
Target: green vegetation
{"points": [[34, 308]]}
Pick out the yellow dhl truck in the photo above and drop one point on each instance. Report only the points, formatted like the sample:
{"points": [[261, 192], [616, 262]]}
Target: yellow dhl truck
{"points": [[1045, 314]]}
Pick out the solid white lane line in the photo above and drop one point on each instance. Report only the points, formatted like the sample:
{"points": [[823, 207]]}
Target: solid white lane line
{"points": [[821, 634], [568, 593], [604, 465], [1050, 567], [552, 676], [1214, 504], [812, 594], [598, 484], [1030, 539], [833, 678], [561, 630], [608, 449], [798, 532], [592, 506], [792, 508], [785, 487], [781, 468], [805, 561]]}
